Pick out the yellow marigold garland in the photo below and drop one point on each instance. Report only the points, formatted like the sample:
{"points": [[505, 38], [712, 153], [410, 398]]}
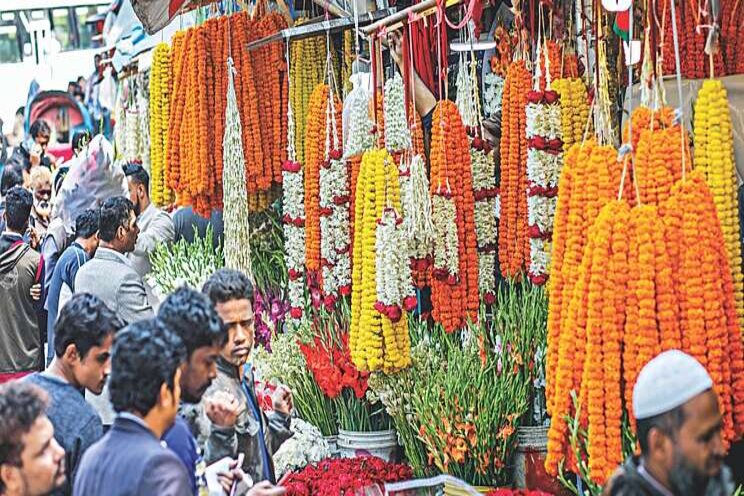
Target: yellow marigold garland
{"points": [[574, 109], [306, 66], [160, 92], [714, 156]]}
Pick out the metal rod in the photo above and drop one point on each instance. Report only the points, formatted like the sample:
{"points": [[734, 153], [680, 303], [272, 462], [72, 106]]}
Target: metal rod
{"points": [[394, 21], [332, 7]]}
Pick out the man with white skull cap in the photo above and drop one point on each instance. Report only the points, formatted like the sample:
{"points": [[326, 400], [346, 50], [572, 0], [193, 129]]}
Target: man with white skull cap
{"points": [[679, 431]]}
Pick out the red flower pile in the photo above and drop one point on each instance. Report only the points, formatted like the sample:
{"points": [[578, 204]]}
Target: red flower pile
{"points": [[344, 476], [332, 368]]}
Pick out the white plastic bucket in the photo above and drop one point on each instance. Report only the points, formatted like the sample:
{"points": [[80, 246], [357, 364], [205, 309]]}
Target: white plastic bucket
{"points": [[382, 444], [332, 445]]}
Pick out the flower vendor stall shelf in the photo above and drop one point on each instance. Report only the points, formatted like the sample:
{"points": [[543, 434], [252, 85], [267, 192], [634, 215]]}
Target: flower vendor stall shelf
{"points": [[382, 444]]}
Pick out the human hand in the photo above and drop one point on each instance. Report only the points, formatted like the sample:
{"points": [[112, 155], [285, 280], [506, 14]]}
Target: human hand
{"points": [[282, 400], [266, 489], [36, 292], [235, 481], [35, 155], [34, 238], [395, 41], [222, 409]]}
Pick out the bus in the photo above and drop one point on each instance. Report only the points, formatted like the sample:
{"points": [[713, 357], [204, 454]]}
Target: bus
{"points": [[51, 42]]}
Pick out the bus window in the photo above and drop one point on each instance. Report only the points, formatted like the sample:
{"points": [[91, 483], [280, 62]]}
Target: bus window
{"points": [[9, 52], [87, 31], [62, 29]]}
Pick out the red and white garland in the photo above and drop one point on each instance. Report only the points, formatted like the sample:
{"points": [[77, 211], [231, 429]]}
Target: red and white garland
{"points": [[417, 210], [446, 243], [544, 163], [293, 204], [335, 234], [395, 290], [485, 193]]}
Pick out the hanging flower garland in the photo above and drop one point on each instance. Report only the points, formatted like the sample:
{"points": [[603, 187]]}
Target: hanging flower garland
{"points": [[417, 215], [714, 156], [574, 110], [160, 93], [376, 341], [514, 246], [454, 286], [397, 134], [237, 229], [306, 66], [544, 163]]}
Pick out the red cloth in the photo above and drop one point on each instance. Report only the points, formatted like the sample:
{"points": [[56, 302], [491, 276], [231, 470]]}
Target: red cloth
{"points": [[12, 376]]}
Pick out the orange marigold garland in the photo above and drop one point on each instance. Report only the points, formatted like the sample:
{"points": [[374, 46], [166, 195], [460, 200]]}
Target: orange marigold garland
{"points": [[454, 294], [514, 246]]}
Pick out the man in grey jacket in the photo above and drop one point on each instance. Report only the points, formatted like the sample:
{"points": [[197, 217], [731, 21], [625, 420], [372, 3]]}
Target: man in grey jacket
{"points": [[110, 276], [238, 425]]}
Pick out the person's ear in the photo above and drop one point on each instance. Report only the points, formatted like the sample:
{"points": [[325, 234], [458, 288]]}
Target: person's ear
{"points": [[660, 445], [10, 477], [71, 354]]}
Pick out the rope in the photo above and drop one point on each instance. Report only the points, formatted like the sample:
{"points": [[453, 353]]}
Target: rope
{"points": [[680, 96]]}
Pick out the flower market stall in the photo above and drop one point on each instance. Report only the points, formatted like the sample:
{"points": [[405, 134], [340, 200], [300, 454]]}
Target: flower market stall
{"points": [[463, 257]]}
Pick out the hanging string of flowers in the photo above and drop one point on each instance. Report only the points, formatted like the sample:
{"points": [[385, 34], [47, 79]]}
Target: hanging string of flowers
{"points": [[397, 134], [237, 229], [376, 341], [454, 285], [574, 109], [514, 246], [417, 215], [306, 66], [544, 162], [714, 156], [160, 92]]}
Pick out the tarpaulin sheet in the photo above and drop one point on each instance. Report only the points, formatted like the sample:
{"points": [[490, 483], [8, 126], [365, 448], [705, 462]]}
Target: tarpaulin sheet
{"points": [[156, 14]]}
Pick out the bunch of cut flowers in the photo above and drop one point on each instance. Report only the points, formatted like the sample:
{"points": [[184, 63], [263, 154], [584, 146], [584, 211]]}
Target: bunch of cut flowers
{"points": [[306, 446], [344, 476]]}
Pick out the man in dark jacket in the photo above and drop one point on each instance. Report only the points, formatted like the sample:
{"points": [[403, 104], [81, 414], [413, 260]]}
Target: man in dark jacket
{"points": [[21, 351], [11, 176], [679, 430], [145, 391], [232, 421], [33, 153]]}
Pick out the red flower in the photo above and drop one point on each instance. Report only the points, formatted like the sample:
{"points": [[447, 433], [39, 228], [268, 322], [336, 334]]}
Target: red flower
{"points": [[295, 312], [410, 303]]}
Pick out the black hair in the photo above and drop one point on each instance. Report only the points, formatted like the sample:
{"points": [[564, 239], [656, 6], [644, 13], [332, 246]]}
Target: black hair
{"points": [[59, 177], [192, 316], [668, 422], [227, 285], [18, 203], [80, 140], [40, 127], [145, 356], [87, 223], [84, 321], [20, 111], [137, 174], [12, 176], [115, 213], [21, 404]]}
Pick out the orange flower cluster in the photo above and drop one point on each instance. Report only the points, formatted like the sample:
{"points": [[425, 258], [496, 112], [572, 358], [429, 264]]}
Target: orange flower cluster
{"points": [[195, 133], [455, 298], [555, 55], [514, 244], [316, 154], [645, 118], [657, 163], [651, 278]]}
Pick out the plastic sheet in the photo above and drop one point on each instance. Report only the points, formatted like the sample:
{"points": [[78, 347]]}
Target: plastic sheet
{"points": [[92, 179]]}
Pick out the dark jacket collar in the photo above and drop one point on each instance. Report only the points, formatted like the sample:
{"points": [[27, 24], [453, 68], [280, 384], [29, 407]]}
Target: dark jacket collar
{"points": [[129, 424], [229, 369]]}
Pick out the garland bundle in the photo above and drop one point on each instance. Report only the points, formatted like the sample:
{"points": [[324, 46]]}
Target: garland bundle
{"points": [[514, 245], [160, 92], [397, 134], [544, 162], [417, 214], [379, 329], [237, 228], [485, 194], [714, 156], [574, 109], [454, 285], [657, 163], [359, 139], [306, 70]]}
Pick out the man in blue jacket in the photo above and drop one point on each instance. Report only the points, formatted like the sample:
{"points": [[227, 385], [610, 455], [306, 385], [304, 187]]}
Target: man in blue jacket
{"points": [[145, 392]]}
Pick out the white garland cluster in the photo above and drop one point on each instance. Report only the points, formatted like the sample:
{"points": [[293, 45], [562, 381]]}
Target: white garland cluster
{"points": [[544, 163], [486, 221], [335, 233], [446, 254], [359, 137], [467, 93], [397, 134], [393, 272], [416, 205], [493, 93]]}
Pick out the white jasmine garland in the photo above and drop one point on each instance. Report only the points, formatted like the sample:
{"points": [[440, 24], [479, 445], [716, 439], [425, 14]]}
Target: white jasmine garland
{"points": [[492, 94], [386, 259], [485, 223], [306, 447], [539, 257], [397, 134], [487, 272], [467, 93], [360, 137], [335, 234], [541, 212], [417, 211], [446, 254], [544, 168], [293, 194]]}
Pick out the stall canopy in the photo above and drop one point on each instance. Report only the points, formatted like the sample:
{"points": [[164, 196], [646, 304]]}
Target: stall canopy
{"points": [[156, 14]]}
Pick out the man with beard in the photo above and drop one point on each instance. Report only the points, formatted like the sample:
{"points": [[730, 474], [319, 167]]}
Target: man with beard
{"points": [[156, 226], [84, 335], [32, 463], [679, 430]]}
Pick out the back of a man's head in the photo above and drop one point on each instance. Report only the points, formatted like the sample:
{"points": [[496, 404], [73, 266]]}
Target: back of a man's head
{"points": [[115, 213], [18, 203], [228, 285], [12, 176], [21, 405], [145, 356], [85, 321], [40, 127], [192, 316], [137, 174], [87, 223]]}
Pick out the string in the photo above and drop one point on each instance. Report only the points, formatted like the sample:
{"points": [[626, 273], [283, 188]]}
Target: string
{"points": [[680, 96], [291, 152]]}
